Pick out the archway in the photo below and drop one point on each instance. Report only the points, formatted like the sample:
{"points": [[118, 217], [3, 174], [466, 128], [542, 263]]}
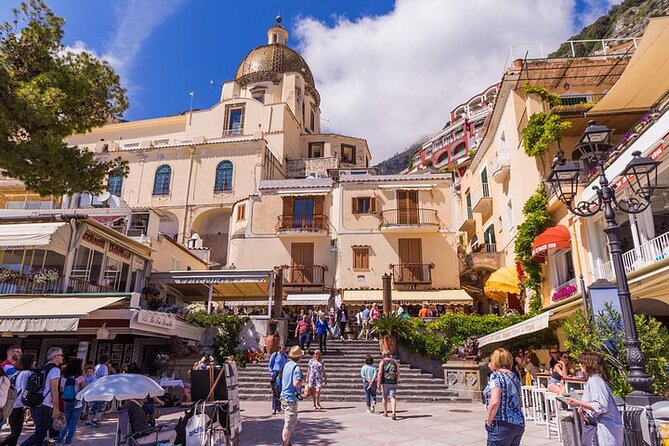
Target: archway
{"points": [[168, 224], [213, 227]]}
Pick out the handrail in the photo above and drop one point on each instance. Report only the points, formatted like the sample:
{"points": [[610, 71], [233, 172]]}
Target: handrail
{"points": [[645, 254], [412, 273], [409, 217], [27, 285], [304, 275], [302, 223]]}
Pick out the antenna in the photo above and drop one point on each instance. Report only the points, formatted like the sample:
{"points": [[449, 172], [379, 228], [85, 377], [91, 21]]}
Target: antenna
{"points": [[190, 110]]}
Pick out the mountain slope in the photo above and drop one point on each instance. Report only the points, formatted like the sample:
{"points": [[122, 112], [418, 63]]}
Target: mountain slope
{"points": [[399, 161]]}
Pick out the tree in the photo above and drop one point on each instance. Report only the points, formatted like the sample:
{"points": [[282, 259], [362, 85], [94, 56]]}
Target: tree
{"points": [[46, 95]]}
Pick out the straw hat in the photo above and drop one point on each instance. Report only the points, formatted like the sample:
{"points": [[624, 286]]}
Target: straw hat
{"points": [[295, 352]]}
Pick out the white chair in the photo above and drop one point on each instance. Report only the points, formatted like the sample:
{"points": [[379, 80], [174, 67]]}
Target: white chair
{"points": [[539, 404], [552, 416], [528, 404]]}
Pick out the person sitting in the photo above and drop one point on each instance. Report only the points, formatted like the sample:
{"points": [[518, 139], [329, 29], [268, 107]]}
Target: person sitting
{"points": [[141, 431], [559, 373]]}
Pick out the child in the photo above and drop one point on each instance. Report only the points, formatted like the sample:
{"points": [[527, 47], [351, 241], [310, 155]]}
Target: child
{"points": [[89, 374], [368, 374]]}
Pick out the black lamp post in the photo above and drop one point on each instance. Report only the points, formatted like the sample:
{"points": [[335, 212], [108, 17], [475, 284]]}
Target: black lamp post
{"points": [[641, 173]]}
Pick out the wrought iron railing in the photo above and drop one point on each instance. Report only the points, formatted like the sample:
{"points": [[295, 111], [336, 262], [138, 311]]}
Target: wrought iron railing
{"points": [[646, 254], [409, 217], [302, 223], [28, 285], [412, 273], [304, 275]]}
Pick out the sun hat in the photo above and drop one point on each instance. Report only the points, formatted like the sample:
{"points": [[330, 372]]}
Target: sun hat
{"points": [[295, 352]]}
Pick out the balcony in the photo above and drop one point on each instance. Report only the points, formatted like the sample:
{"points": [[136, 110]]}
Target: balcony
{"points": [[412, 273], [304, 276], [409, 220], [501, 165], [467, 224], [564, 290], [641, 257], [481, 199], [27, 285], [300, 225], [484, 257], [576, 103]]}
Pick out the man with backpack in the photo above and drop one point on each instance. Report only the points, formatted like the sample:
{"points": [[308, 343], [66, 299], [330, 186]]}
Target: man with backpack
{"points": [[387, 380], [41, 396]]}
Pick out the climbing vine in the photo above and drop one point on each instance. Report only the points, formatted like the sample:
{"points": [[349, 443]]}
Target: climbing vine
{"points": [[541, 131], [543, 93], [537, 220]]}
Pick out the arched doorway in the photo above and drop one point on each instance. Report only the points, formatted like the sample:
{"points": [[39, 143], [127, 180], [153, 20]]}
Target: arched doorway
{"points": [[213, 227]]}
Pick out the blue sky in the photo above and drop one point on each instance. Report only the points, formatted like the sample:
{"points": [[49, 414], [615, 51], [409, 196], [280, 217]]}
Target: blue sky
{"points": [[166, 48]]}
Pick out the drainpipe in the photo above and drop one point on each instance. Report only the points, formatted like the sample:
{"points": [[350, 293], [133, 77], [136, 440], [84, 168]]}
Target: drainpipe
{"points": [[187, 208]]}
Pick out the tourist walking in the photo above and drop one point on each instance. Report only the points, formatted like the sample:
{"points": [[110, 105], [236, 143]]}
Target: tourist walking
{"points": [[363, 321], [368, 375], [342, 319], [43, 385], [388, 377], [11, 361], [316, 378], [5, 386], [597, 406], [322, 333], [505, 422], [26, 364], [97, 407], [70, 384], [303, 334], [291, 392], [276, 363]]}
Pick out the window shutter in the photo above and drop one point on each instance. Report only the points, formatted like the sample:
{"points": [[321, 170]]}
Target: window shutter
{"points": [[318, 205], [354, 205], [372, 205], [287, 206]]}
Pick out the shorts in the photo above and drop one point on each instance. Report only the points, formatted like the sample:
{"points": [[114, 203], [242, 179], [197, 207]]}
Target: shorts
{"points": [[389, 391], [552, 381], [289, 415]]}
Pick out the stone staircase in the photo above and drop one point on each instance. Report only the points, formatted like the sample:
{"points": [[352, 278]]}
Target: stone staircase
{"points": [[343, 361]]}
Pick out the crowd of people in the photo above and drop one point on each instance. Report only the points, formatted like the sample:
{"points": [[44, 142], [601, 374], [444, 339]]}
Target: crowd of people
{"points": [[47, 393]]}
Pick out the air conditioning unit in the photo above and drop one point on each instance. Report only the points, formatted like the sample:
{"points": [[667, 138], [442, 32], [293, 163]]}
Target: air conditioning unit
{"points": [[85, 200], [195, 242]]}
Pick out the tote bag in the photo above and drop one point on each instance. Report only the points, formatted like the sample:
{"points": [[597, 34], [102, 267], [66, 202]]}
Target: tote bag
{"points": [[197, 433]]}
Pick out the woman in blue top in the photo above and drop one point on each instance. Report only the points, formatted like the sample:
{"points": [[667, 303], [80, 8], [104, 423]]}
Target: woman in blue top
{"points": [[368, 375], [505, 422], [322, 329]]}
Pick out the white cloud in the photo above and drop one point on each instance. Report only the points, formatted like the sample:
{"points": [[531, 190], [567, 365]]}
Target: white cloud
{"points": [[394, 78]]}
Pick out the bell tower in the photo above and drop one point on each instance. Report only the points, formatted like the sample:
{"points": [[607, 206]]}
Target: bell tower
{"points": [[277, 33]]}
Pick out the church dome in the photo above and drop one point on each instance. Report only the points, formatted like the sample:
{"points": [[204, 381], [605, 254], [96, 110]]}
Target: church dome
{"points": [[268, 62]]}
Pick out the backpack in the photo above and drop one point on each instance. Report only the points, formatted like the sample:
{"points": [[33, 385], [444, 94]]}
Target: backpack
{"points": [[70, 389], [6, 410], [33, 395]]}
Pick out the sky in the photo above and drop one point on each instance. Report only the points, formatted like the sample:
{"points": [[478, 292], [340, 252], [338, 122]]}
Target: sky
{"points": [[387, 71]]}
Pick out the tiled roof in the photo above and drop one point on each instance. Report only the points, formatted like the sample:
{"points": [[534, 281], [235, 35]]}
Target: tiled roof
{"points": [[380, 178], [298, 183]]}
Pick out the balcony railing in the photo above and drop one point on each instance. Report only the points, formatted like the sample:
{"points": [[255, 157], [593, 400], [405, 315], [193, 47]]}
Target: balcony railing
{"points": [[412, 273], [309, 223], [482, 204], [648, 253], [27, 285], [303, 275], [409, 217], [565, 290], [484, 247]]}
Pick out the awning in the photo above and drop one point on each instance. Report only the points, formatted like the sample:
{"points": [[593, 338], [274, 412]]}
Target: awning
{"points": [[307, 299], [53, 313], [437, 297], [53, 235], [502, 282], [646, 78], [522, 328], [226, 284], [557, 237]]}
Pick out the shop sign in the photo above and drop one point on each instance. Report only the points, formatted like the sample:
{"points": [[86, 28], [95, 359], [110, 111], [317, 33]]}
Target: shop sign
{"points": [[94, 240], [138, 263], [161, 320], [119, 251]]}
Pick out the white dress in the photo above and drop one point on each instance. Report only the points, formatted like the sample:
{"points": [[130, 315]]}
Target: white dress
{"points": [[609, 421]]}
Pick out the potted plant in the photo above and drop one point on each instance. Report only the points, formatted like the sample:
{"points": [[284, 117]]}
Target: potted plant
{"points": [[390, 327], [273, 339], [7, 275]]}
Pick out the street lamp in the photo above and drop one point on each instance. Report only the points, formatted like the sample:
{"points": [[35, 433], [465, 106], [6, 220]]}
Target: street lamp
{"points": [[641, 173]]}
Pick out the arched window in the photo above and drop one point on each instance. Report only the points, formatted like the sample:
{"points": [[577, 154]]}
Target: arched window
{"points": [[161, 184], [223, 180], [115, 184]]}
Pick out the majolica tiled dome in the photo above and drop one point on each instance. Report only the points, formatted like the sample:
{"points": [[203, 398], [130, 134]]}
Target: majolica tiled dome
{"points": [[267, 61]]}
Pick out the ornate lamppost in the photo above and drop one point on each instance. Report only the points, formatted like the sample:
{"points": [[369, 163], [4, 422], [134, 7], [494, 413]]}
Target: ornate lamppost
{"points": [[641, 173]]}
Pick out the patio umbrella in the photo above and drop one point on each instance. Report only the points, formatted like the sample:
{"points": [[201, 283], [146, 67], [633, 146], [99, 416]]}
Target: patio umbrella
{"points": [[125, 386], [502, 282]]}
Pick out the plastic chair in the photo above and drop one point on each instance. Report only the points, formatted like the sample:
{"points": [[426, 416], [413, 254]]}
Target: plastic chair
{"points": [[539, 404], [552, 416], [528, 404]]}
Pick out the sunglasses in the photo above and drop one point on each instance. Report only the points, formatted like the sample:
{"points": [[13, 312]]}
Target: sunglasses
{"points": [[554, 353]]}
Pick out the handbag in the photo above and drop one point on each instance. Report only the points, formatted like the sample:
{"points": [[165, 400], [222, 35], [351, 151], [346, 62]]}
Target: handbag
{"points": [[197, 433], [589, 437]]}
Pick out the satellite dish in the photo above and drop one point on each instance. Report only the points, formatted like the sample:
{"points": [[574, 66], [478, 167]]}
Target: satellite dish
{"points": [[114, 201], [104, 196]]}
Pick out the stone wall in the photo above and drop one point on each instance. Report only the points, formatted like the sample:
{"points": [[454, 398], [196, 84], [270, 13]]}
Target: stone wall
{"points": [[417, 360], [303, 167]]}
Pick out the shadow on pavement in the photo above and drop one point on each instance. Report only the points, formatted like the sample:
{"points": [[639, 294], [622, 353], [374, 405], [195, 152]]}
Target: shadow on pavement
{"points": [[260, 432]]}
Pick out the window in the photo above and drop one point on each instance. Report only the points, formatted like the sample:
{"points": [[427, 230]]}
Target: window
{"points": [[500, 223], [223, 181], [348, 154], [175, 264], [363, 205], [361, 257], [562, 267], [115, 185], [489, 235], [312, 120], [234, 119], [241, 212], [258, 94], [161, 183], [316, 149], [509, 214]]}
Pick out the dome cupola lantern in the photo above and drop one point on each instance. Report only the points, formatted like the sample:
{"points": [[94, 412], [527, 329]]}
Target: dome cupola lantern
{"points": [[277, 33]]}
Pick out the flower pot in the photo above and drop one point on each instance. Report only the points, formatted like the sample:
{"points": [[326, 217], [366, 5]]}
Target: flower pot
{"points": [[518, 63], [388, 343], [272, 343]]}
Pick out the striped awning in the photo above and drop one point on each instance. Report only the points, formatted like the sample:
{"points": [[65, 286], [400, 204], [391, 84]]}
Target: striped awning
{"points": [[440, 297]]}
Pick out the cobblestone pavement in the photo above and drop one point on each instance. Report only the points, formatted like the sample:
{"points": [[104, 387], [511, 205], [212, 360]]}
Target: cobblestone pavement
{"points": [[433, 424]]}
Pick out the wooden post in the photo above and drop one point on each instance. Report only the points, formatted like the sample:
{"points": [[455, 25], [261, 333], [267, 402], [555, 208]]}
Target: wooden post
{"points": [[387, 301]]}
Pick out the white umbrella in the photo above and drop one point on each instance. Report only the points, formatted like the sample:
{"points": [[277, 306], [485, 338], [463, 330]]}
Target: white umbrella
{"points": [[126, 386]]}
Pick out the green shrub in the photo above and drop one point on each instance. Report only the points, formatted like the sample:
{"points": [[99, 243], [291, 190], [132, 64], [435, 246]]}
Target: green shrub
{"points": [[543, 93], [541, 131], [229, 326]]}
